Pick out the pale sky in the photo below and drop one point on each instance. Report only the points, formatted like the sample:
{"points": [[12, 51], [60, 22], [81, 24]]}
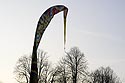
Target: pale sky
{"points": [[97, 27]]}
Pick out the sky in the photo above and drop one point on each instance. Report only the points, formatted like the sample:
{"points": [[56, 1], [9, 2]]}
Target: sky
{"points": [[97, 27]]}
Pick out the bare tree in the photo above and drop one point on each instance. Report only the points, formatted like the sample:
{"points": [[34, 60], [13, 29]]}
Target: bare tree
{"points": [[61, 73], [23, 67], [45, 74], [53, 76], [43, 67], [75, 60], [63, 76], [104, 75]]}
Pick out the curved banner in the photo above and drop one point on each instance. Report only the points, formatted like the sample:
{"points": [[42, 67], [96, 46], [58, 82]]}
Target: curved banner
{"points": [[41, 27], [45, 20]]}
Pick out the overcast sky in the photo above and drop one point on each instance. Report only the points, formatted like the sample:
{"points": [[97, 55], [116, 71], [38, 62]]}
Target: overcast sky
{"points": [[97, 27]]}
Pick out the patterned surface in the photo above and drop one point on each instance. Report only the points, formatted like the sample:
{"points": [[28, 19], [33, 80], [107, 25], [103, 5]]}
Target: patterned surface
{"points": [[45, 20], [41, 26]]}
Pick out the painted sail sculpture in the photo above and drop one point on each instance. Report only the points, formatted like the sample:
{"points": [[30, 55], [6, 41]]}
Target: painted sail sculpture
{"points": [[41, 27]]}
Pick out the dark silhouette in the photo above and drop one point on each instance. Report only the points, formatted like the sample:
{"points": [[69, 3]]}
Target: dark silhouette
{"points": [[59, 73], [23, 66], [104, 75], [22, 69], [75, 60], [72, 68], [41, 27]]}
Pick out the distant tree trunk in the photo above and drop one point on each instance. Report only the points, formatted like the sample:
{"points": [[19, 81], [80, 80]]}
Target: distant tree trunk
{"points": [[34, 69], [64, 76], [52, 79], [27, 81]]}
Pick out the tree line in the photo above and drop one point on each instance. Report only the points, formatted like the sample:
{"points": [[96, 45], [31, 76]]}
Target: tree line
{"points": [[72, 68]]}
